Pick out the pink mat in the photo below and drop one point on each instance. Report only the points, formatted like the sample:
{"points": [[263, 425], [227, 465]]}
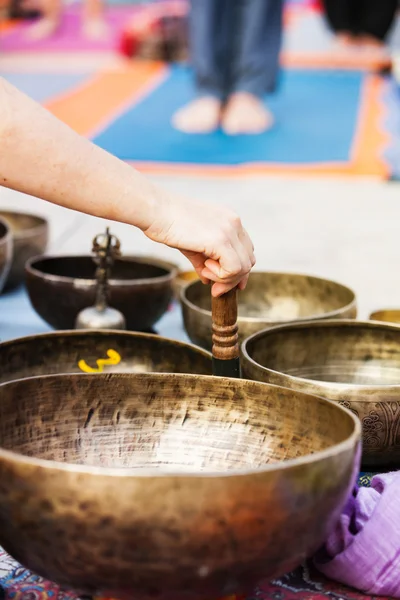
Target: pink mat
{"points": [[69, 38]]}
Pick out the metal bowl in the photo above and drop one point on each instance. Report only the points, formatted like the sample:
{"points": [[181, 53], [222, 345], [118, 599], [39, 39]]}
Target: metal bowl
{"points": [[99, 351], [59, 287], [386, 315], [168, 486], [183, 279], [6, 252], [269, 299], [30, 237], [355, 363]]}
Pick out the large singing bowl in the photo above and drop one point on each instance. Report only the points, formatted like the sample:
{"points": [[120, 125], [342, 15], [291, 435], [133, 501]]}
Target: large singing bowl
{"points": [[89, 351], [6, 251], [355, 363], [269, 299], [60, 287], [156, 486], [30, 238]]}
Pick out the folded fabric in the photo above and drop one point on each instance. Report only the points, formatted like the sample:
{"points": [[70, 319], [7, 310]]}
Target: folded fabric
{"points": [[363, 550]]}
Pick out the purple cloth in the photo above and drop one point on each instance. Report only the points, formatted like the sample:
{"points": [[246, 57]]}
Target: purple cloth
{"points": [[363, 550]]}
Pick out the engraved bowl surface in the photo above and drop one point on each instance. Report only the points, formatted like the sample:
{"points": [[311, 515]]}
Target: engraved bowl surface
{"points": [[356, 363], [168, 486], [269, 299], [102, 351]]}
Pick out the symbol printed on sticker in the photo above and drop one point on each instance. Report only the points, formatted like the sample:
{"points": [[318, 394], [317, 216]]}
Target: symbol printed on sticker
{"points": [[113, 359]]}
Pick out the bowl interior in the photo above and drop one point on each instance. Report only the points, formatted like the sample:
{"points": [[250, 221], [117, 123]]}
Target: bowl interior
{"points": [[276, 297], [80, 351], [358, 353], [168, 422], [20, 223], [83, 267]]}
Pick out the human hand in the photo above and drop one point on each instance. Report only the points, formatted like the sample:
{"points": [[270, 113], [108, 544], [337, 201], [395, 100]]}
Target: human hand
{"points": [[211, 237]]}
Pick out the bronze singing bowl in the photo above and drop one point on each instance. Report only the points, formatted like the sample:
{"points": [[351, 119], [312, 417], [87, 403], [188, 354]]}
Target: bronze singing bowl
{"points": [[30, 238], [386, 315], [102, 351], [156, 486], [59, 287], [6, 252], [269, 299], [183, 279], [355, 363]]}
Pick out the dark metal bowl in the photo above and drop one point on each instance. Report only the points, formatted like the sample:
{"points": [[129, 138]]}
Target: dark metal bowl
{"points": [[269, 299], [60, 287], [30, 237], [103, 351], [168, 486], [355, 363], [6, 251]]}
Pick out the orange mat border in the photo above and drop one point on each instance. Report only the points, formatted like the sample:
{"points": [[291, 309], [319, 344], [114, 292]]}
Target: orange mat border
{"points": [[92, 106]]}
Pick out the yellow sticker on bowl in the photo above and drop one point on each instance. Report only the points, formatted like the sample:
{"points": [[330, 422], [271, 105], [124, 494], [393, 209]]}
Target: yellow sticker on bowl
{"points": [[113, 359]]}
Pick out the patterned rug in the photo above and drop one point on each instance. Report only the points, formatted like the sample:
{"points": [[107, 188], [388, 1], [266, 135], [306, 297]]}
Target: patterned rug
{"points": [[302, 584]]}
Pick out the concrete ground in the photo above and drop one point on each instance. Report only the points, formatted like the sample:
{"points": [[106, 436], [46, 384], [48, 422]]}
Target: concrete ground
{"points": [[347, 230]]}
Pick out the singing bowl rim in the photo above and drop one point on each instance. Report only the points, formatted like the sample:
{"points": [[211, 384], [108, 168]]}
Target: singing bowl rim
{"points": [[105, 332], [154, 262], [345, 446], [374, 315], [183, 275], [22, 234], [242, 319], [316, 324]]}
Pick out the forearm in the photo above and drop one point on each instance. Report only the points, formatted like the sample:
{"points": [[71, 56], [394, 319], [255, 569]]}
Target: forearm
{"points": [[42, 157]]}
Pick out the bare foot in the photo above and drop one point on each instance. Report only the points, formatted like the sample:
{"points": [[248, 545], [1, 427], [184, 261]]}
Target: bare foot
{"points": [[95, 29], [43, 29], [246, 114], [200, 116]]}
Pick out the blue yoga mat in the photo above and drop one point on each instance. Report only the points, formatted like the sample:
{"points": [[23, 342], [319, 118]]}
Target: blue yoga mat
{"points": [[316, 117]]}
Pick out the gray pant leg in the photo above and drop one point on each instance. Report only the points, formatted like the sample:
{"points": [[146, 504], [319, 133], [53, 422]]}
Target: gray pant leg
{"points": [[256, 47]]}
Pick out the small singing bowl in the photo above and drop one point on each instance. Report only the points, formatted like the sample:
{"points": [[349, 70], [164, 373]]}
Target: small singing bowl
{"points": [[30, 238], [386, 315], [269, 299], [355, 363], [183, 279], [98, 351], [161, 486], [6, 252], [59, 287]]}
